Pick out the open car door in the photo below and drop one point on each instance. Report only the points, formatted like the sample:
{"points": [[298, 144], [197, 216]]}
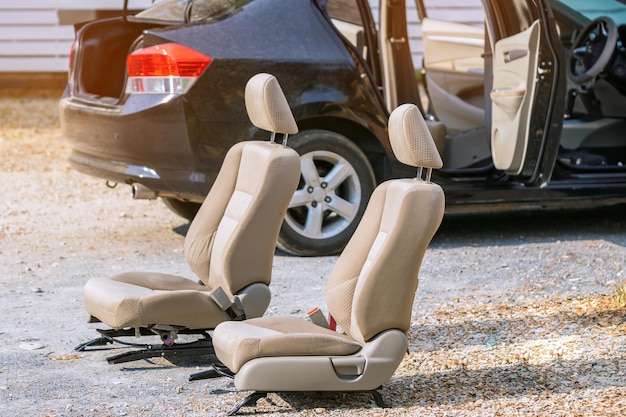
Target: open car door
{"points": [[399, 82], [528, 90], [454, 71]]}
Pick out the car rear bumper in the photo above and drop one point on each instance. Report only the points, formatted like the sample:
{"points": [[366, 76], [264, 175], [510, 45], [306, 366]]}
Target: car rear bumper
{"points": [[145, 140]]}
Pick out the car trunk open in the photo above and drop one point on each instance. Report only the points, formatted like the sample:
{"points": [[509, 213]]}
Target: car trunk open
{"points": [[101, 48]]}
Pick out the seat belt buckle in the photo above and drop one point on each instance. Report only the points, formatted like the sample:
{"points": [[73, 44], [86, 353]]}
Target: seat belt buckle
{"points": [[221, 298], [233, 308], [317, 317], [332, 324]]}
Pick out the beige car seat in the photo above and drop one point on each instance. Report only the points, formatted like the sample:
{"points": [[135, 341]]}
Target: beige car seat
{"points": [[369, 293], [229, 246]]}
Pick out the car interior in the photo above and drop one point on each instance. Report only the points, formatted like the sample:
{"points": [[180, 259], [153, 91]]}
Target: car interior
{"points": [[591, 139], [229, 246], [369, 292], [454, 81], [596, 117], [457, 81]]}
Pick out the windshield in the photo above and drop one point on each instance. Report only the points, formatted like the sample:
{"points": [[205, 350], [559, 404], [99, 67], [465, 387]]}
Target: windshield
{"points": [[616, 9], [185, 11]]}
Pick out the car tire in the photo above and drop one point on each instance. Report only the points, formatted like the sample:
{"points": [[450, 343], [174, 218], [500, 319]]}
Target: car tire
{"points": [[326, 209], [185, 209]]}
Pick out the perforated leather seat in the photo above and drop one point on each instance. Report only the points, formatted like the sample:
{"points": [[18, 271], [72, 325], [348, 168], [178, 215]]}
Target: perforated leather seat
{"points": [[369, 293], [229, 245]]}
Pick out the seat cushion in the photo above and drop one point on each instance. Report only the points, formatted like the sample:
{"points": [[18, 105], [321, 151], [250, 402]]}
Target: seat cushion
{"points": [[137, 299], [239, 342]]}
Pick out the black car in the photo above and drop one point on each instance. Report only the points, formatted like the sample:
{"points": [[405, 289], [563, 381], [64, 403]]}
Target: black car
{"points": [[527, 110]]}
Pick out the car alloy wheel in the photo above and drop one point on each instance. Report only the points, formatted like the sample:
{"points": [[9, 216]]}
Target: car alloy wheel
{"points": [[335, 184]]}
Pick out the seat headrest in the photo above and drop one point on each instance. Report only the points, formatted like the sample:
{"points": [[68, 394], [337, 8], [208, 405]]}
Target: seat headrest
{"points": [[267, 106], [410, 138]]}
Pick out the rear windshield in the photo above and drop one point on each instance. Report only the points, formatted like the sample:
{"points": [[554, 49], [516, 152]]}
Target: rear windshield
{"points": [[185, 11]]}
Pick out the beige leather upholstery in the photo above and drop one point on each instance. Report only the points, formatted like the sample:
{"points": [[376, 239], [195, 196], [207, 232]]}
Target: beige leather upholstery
{"points": [[406, 126], [369, 292], [230, 243], [272, 113]]}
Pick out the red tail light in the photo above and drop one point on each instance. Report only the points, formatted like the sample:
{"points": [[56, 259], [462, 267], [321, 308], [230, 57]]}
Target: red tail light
{"points": [[164, 69]]}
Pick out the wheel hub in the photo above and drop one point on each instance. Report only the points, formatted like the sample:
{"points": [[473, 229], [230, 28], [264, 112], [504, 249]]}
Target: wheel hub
{"points": [[319, 194]]}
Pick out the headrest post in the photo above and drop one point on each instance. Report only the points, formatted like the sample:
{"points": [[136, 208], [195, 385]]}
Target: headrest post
{"points": [[272, 137], [419, 172], [429, 173], [285, 136]]}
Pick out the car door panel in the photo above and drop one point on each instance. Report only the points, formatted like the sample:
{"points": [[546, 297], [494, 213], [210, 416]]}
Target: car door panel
{"points": [[528, 88], [514, 63], [454, 72]]}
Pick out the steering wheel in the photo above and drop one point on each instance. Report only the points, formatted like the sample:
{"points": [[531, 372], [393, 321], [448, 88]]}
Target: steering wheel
{"points": [[592, 49]]}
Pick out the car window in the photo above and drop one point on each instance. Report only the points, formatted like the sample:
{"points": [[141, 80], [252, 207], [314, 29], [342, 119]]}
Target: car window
{"points": [[616, 9], [345, 10], [346, 17], [198, 10]]}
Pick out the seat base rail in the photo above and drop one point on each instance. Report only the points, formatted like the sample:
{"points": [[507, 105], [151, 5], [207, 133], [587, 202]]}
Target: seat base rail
{"points": [[200, 347], [252, 399], [217, 370], [110, 336]]}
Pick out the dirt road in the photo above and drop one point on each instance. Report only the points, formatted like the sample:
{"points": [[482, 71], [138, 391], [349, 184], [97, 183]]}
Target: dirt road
{"points": [[516, 314]]}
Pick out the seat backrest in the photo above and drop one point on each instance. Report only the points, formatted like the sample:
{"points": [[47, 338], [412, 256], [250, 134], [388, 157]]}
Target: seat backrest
{"points": [[231, 241], [372, 286]]}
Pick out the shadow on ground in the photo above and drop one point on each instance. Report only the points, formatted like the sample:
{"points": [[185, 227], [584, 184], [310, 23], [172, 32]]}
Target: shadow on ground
{"points": [[549, 225]]}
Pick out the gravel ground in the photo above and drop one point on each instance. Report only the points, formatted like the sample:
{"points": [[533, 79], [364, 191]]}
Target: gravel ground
{"points": [[516, 313]]}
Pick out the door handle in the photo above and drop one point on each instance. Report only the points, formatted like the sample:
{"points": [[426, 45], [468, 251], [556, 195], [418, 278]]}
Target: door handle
{"points": [[515, 54]]}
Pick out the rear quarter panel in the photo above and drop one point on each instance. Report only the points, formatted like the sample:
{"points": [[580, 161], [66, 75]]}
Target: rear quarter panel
{"points": [[289, 39]]}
